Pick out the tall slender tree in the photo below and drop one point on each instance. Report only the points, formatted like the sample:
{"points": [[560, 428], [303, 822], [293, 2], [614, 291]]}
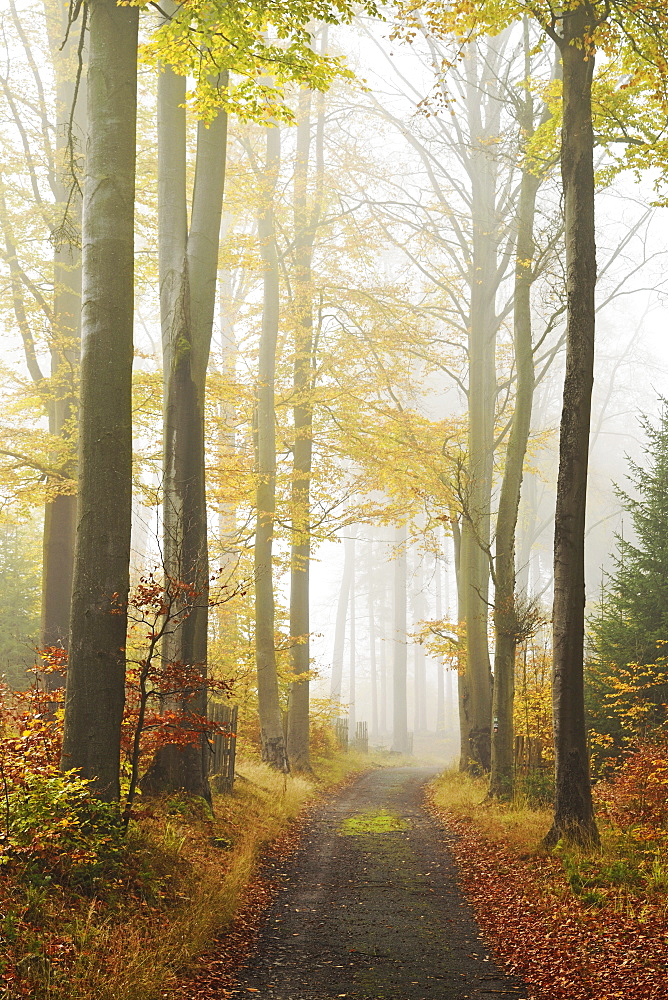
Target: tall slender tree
{"points": [[59, 157], [574, 812], [341, 618], [274, 749], [507, 612], [306, 221], [636, 34], [96, 673], [399, 646], [188, 270]]}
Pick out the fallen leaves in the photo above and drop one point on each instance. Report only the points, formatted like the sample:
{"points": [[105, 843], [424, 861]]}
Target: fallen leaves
{"points": [[547, 936]]}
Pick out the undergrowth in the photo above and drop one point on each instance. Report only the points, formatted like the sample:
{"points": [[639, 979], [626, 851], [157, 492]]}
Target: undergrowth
{"points": [[628, 873], [99, 915], [583, 925]]}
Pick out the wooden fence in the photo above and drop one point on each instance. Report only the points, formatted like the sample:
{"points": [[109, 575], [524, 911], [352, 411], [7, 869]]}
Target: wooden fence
{"points": [[362, 737], [224, 748], [341, 733]]}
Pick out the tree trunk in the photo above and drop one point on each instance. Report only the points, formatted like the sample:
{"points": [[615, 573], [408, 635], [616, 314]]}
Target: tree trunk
{"points": [[373, 666], [59, 531], [419, 661], [440, 667], [462, 674], [96, 674], [475, 541], [574, 815], [341, 616], [188, 272], [382, 715], [274, 750], [300, 556], [352, 655], [505, 616], [399, 680]]}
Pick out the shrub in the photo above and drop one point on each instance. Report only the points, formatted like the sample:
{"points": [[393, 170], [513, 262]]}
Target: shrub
{"points": [[635, 797], [59, 831]]}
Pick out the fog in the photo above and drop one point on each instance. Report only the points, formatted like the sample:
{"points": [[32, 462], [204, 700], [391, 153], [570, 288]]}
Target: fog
{"points": [[414, 170]]}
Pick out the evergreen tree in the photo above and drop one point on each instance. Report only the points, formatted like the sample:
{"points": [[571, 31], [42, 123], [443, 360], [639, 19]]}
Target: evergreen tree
{"points": [[19, 601], [626, 677]]}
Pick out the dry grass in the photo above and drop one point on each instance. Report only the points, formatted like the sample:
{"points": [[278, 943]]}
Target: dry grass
{"points": [[140, 959], [177, 886], [517, 824]]}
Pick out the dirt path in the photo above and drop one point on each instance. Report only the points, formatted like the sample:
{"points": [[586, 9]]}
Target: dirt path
{"points": [[369, 913]]}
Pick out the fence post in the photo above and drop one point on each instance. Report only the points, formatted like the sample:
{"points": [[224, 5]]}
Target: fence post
{"points": [[223, 758]]}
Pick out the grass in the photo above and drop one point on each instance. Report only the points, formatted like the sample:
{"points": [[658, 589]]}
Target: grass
{"points": [[176, 885], [518, 824], [624, 874]]}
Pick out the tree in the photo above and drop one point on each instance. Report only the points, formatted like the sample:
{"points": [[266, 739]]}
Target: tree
{"points": [[56, 116], [274, 750], [306, 221], [578, 29], [341, 616], [96, 671], [574, 813], [630, 628], [507, 612], [399, 654], [188, 269]]}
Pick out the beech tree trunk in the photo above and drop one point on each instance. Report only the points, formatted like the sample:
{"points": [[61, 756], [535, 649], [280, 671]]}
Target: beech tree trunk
{"points": [[300, 556], [188, 274], [274, 750], [419, 661], [352, 656], [462, 675], [382, 714], [61, 403], [505, 616], [574, 815], [341, 617], [96, 674], [399, 672], [440, 667], [476, 701], [373, 665]]}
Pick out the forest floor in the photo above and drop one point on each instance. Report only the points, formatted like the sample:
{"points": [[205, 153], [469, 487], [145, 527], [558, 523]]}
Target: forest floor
{"points": [[368, 906]]}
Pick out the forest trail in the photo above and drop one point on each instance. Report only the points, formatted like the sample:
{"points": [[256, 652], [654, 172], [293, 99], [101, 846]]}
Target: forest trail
{"points": [[369, 908]]}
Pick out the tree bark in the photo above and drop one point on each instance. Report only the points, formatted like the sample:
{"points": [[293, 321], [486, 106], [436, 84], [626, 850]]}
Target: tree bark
{"points": [[300, 556], [274, 750], [382, 714], [475, 540], [352, 654], [399, 678], [373, 664], [505, 614], [574, 814], [419, 661], [188, 273], [341, 617], [60, 402], [440, 667], [96, 674], [462, 674]]}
